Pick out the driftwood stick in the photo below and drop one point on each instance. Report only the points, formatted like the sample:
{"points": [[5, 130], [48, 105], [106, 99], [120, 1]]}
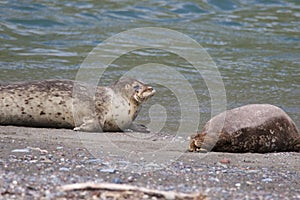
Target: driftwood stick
{"points": [[126, 188]]}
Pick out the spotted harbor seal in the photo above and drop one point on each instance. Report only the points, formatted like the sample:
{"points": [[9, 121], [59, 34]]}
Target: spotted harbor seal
{"points": [[259, 128], [69, 104]]}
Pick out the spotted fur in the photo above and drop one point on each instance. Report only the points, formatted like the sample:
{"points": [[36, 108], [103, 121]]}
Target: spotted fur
{"points": [[69, 104], [257, 128]]}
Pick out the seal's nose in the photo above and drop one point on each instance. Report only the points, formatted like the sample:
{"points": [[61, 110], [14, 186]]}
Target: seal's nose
{"points": [[149, 88]]}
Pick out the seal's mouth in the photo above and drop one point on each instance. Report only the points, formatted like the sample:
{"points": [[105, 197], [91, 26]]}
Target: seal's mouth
{"points": [[145, 94], [148, 92]]}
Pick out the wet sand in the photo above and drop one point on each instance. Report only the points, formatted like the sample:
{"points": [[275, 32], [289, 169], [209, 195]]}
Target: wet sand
{"points": [[36, 162]]}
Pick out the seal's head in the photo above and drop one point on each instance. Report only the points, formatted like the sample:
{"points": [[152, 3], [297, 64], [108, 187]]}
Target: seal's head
{"points": [[202, 142], [133, 90], [196, 142]]}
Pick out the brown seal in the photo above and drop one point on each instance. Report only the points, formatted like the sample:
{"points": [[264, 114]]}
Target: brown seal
{"points": [[70, 104], [257, 128]]}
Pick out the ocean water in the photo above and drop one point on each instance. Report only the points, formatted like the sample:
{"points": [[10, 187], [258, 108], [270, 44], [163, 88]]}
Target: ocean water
{"points": [[254, 44]]}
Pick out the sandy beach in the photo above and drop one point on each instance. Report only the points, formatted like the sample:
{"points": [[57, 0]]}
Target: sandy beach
{"points": [[35, 163]]}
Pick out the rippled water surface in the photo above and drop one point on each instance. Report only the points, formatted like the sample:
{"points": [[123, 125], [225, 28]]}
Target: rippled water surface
{"points": [[254, 43]]}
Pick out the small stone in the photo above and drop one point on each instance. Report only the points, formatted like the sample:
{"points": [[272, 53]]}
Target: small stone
{"points": [[267, 180], [42, 151], [59, 148], [222, 165], [214, 179], [123, 163], [93, 161], [202, 150], [65, 169], [249, 183], [109, 170], [252, 171], [152, 166], [44, 159], [225, 161], [130, 179], [26, 150], [117, 180]]}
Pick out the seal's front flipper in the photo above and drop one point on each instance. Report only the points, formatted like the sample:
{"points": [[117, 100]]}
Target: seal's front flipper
{"points": [[138, 128], [89, 125]]}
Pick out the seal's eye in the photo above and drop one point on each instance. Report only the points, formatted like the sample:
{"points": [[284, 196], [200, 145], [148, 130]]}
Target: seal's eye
{"points": [[136, 88]]}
